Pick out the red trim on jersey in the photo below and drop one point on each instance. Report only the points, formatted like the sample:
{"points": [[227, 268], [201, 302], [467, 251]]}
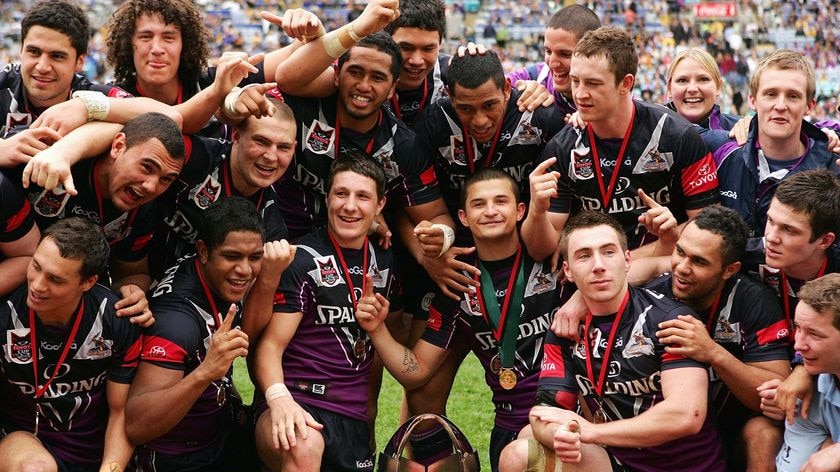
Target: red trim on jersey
{"points": [[435, 320], [141, 242], [669, 357], [778, 331], [552, 363], [565, 400], [15, 221], [158, 349], [117, 92], [428, 176], [188, 145], [279, 298], [132, 354], [700, 177]]}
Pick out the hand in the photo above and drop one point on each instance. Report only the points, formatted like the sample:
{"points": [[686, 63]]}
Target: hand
{"points": [[741, 130], [825, 460], [277, 255], [567, 442], [380, 227], [48, 169], [833, 141], [372, 309], [376, 16], [769, 407], [448, 272], [430, 238], [798, 385], [687, 336], [550, 414], [543, 185], [232, 67], [286, 417], [23, 146], [63, 117], [471, 49], [567, 318], [226, 345], [659, 221], [297, 23], [534, 95], [575, 120], [253, 102], [134, 304]]}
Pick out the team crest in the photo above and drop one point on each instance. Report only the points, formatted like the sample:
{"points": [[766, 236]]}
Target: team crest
{"points": [[50, 203], [457, 152], [655, 161], [525, 133], [320, 138], [18, 346], [470, 304], [117, 229], [206, 193], [638, 344], [540, 282], [582, 166], [726, 331], [327, 273], [97, 348]]}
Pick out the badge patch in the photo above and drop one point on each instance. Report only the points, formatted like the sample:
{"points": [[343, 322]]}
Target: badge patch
{"points": [[320, 138], [457, 151], [117, 229], [525, 133], [98, 348], [18, 346], [471, 304], [51, 203], [327, 272], [654, 161], [540, 282], [206, 193], [582, 166]]}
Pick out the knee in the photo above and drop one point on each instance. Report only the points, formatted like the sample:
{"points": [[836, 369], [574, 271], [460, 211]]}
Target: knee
{"points": [[514, 457], [38, 465], [761, 430]]}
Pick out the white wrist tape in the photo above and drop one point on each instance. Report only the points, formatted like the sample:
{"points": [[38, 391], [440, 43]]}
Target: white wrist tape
{"points": [[276, 390], [229, 107], [448, 237], [321, 31], [96, 104]]}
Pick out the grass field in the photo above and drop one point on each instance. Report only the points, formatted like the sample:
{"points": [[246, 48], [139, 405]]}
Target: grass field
{"points": [[469, 405]]}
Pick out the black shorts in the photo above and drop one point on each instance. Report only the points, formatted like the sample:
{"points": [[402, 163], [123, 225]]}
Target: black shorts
{"points": [[346, 441], [418, 288], [499, 438], [209, 459]]}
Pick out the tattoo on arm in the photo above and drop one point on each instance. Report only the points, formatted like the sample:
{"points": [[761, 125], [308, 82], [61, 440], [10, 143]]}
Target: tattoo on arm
{"points": [[115, 467], [409, 362]]}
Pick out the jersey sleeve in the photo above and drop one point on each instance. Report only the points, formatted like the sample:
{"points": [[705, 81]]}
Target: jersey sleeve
{"points": [[670, 360], [698, 176], [443, 316], [173, 338], [557, 385], [295, 293], [15, 212], [419, 181], [766, 332], [127, 344]]}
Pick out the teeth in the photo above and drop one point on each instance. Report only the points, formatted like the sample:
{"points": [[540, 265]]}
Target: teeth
{"points": [[238, 282], [693, 100], [361, 99]]}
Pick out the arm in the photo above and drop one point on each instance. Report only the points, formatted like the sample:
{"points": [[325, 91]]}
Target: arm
{"points": [[16, 257], [71, 114], [118, 448], [257, 308], [541, 229], [125, 273]]}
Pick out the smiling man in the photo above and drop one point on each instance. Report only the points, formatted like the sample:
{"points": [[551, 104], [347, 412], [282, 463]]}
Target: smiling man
{"points": [[780, 143]]}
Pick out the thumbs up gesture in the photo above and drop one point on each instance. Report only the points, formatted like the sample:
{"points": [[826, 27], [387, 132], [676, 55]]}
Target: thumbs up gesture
{"points": [[372, 308]]}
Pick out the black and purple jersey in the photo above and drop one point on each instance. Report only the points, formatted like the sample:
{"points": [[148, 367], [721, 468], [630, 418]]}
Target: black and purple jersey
{"points": [[542, 74], [408, 105], [327, 362], [184, 324], [411, 182], [204, 179], [15, 110], [15, 211], [664, 156], [632, 383], [74, 408], [128, 233], [541, 298]]}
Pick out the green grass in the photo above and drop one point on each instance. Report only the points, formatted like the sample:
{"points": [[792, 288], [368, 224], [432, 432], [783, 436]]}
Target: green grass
{"points": [[469, 405]]}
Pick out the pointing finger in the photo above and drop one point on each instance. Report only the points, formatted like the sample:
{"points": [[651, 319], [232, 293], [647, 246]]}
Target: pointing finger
{"points": [[651, 203], [227, 324], [544, 165]]}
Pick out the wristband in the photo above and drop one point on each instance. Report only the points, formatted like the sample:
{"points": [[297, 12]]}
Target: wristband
{"points": [[229, 107], [96, 104], [448, 237], [321, 31], [339, 41], [276, 390]]}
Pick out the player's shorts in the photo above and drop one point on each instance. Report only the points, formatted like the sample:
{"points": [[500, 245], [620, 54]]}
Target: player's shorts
{"points": [[418, 288], [208, 459], [542, 459], [63, 466], [499, 438]]}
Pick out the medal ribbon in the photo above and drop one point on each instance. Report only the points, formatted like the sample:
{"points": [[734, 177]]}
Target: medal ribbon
{"points": [[606, 194], [99, 205], [395, 102], [346, 270], [40, 390], [710, 322], [785, 292], [369, 146], [468, 145], [605, 364], [217, 316], [504, 327]]}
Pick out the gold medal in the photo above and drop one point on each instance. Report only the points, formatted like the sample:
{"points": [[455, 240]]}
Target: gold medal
{"points": [[359, 348], [600, 416], [496, 365], [507, 379]]}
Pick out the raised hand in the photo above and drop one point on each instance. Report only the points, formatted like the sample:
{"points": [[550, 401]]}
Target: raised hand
{"points": [[277, 255], [376, 16], [658, 220], [232, 67], [534, 95], [226, 345], [543, 185], [372, 308], [250, 101], [297, 23]]}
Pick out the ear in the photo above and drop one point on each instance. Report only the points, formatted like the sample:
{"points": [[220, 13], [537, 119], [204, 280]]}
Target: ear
{"points": [[811, 106], [89, 282], [626, 261], [236, 134], [462, 215], [393, 89], [80, 62], [752, 101], [626, 84], [118, 146], [520, 211], [201, 250], [731, 270], [380, 205], [506, 90], [826, 240], [568, 272], [337, 73]]}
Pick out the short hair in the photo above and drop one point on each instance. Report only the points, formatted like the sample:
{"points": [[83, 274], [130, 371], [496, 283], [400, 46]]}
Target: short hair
{"points": [[80, 239], [728, 224], [816, 193], [590, 219], [785, 59], [184, 14], [282, 113], [473, 71], [381, 41], [155, 125], [64, 16], [489, 173], [225, 216], [429, 15], [701, 57], [823, 295], [576, 19], [358, 163], [613, 43]]}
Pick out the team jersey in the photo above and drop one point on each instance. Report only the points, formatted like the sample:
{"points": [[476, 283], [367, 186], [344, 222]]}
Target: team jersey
{"points": [[407, 105], [15, 110], [749, 324], [541, 298], [664, 156], [541, 73], [128, 233], [327, 362], [15, 212], [520, 138], [204, 179], [185, 321], [214, 128], [632, 383], [410, 181], [74, 408]]}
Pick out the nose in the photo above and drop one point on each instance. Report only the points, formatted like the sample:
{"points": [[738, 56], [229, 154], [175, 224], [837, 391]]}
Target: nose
{"points": [[598, 261], [37, 284], [770, 232], [780, 103], [415, 58], [798, 344], [43, 63], [157, 45], [243, 267]]}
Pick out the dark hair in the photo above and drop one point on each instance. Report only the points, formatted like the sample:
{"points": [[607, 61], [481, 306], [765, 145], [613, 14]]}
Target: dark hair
{"points": [[576, 19], [490, 173], [815, 193], [358, 163], [613, 43], [80, 239], [380, 41], [728, 224], [227, 215], [185, 15], [155, 125], [590, 219], [823, 295], [429, 15], [63, 16], [473, 71]]}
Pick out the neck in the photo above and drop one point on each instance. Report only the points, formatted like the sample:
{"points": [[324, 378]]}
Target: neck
{"points": [[782, 149], [496, 250], [359, 125], [167, 94], [607, 307], [236, 178], [102, 173], [615, 126], [59, 317], [807, 270], [348, 243], [705, 302]]}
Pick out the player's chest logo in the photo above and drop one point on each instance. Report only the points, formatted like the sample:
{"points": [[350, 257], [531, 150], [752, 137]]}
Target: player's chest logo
{"points": [[327, 273], [117, 229], [18, 346], [457, 152], [51, 203], [582, 165], [14, 119], [654, 161], [540, 282], [319, 138], [639, 344], [97, 348], [525, 133], [207, 192]]}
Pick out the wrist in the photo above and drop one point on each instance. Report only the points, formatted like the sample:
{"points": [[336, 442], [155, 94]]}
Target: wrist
{"points": [[96, 104], [275, 391], [448, 237]]}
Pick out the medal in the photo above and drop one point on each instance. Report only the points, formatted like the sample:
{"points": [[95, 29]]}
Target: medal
{"points": [[496, 365], [37, 419], [359, 347], [507, 379], [600, 416]]}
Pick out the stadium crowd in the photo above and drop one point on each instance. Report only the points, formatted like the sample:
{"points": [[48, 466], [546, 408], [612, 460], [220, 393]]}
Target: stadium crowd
{"points": [[577, 194]]}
